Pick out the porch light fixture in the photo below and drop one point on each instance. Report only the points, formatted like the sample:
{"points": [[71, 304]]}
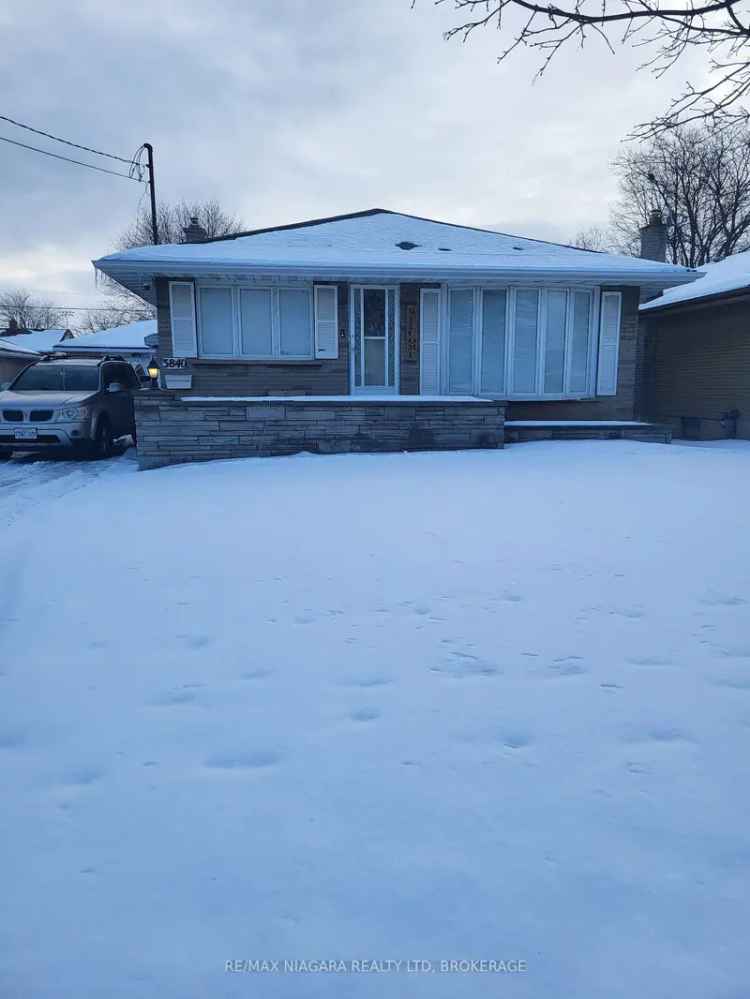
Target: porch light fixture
{"points": [[153, 372]]}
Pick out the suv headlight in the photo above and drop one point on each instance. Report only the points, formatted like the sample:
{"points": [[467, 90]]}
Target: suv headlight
{"points": [[74, 413]]}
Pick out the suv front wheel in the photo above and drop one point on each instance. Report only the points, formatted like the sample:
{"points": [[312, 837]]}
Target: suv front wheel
{"points": [[103, 446]]}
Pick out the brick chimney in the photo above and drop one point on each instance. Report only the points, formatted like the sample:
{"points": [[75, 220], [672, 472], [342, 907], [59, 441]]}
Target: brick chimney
{"points": [[194, 233], [654, 237]]}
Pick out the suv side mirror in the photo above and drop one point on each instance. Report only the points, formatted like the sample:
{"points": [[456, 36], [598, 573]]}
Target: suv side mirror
{"points": [[115, 387]]}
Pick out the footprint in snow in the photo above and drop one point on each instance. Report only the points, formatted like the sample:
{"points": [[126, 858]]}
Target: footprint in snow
{"points": [[734, 652], [637, 768], [722, 600], [628, 612], [568, 666], [365, 715], [198, 641], [82, 777], [252, 760], [648, 661], [516, 741], [172, 698], [256, 674], [733, 682], [367, 681], [463, 664], [12, 738], [664, 734]]}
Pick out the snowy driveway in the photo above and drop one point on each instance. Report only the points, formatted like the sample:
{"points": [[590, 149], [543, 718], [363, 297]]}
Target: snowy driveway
{"points": [[487, 705]]}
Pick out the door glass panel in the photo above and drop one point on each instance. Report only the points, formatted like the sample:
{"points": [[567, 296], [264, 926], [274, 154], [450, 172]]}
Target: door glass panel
{"points": [[554, 348], [374, 336], [579, 342], [374, 360], [255, 321], [493, 341], [526, 341], [461, 342]]}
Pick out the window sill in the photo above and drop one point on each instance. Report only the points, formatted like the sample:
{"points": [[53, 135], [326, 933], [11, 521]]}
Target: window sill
{"points": [[265, 362]]}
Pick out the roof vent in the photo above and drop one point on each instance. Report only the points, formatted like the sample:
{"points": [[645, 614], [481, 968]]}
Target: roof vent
{"points": [[445, 249], [406, 245], [518, 248]]}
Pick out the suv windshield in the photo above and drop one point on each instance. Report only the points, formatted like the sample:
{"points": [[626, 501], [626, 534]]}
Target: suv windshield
{"points": [[57, 378]]}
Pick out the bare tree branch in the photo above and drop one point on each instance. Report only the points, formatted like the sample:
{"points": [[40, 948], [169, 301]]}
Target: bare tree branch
{"points": [[19, 307], [722, 27], [700, 180]]}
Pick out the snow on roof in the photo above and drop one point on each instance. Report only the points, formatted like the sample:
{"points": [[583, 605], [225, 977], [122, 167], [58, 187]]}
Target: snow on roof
{"points": [[731, 274], [380, 242], [129, 337], [41, 341], [8, 345]]}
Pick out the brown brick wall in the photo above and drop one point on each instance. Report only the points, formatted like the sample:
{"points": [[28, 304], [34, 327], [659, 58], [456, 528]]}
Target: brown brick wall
{"points": [[614, 407], [698, 366]]}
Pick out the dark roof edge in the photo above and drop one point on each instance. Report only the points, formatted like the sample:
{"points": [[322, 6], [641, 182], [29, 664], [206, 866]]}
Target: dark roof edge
{"points": [[698, 302], [387, 211]]}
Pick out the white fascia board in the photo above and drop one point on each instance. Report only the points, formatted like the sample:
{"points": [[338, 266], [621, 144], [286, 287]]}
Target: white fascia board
{"points": [[129, 274]]}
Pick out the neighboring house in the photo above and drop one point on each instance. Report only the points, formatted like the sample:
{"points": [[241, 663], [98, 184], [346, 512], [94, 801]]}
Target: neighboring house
{"points": [[13, 359], [697, 353], [129, 341], [354, 324], [41, 341]]}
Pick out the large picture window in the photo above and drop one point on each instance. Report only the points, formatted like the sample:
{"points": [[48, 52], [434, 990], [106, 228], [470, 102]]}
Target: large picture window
{"points": [[524, 343], [255, 323]]}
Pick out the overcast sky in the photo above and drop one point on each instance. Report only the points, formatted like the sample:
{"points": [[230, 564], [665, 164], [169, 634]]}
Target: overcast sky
{"points": [[291, 109]]}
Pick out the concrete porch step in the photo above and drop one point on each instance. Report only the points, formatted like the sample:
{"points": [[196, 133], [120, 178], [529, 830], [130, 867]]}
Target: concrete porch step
{"points": [[517, 431]]}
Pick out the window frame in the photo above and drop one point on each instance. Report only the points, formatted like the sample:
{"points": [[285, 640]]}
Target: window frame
{"points": [[510, 335], [237, 352]]}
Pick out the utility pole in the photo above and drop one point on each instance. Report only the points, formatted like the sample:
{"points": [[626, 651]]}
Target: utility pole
{"points": [[150, 164]]}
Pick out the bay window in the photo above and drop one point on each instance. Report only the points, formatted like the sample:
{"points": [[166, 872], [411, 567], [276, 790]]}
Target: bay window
{"points": [[521, 343]]}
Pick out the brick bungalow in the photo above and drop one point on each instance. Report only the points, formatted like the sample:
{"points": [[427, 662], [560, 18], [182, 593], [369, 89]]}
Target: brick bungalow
{"points": [[378, 330], [697, 353]]}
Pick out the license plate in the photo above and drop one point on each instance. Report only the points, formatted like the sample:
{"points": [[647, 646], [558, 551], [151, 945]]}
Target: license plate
{"points": [[26, 435]]}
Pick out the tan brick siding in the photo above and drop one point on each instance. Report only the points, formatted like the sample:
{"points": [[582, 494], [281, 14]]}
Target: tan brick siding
{"points": [[698, 365]]}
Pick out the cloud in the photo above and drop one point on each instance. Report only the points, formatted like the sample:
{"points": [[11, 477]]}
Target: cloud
{"points": [[285, 110]]}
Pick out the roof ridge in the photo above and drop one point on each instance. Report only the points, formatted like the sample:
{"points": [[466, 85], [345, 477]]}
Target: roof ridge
{"points": [[310, 223], [306, 224]]}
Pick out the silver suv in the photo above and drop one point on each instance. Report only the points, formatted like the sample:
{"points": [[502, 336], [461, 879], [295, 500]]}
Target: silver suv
{"points": [[83, 405]]}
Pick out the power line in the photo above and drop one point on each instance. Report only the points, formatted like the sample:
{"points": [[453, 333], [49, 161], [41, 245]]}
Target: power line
{"points": [[57, 138], [67, 159]]}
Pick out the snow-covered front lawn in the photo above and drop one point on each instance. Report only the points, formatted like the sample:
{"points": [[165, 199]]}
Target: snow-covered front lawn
{"points": [[427, 707]]}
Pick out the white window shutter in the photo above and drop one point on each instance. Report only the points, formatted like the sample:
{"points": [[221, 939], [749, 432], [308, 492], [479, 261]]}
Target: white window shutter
{"points": [[429, 337], [182, 314], [609, 343], [326, 321]]}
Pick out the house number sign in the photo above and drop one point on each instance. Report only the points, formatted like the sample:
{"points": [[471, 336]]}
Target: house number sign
{"points": [[174, 362]]}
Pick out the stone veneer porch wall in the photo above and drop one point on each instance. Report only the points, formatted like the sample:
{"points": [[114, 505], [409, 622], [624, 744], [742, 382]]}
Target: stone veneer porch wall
{"points": [[172, 429]]}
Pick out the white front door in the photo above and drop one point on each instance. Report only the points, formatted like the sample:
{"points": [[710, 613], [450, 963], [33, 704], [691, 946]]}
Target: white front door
{"points": [[374, 339]]}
